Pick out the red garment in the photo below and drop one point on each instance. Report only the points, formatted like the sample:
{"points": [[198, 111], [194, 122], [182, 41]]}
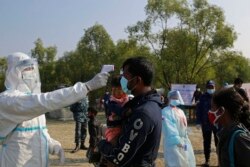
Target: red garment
{"points": [[120, 101], [112, 133]]}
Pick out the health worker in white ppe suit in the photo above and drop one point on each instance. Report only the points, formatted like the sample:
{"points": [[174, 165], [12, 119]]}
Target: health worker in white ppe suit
{"points": [[24, 139], [178, 151]]}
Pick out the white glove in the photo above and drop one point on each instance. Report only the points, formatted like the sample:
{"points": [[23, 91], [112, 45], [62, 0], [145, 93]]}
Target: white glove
{"points": [[57, 150], [98, 81], [179, 145], [198, 126], [182, 146]]}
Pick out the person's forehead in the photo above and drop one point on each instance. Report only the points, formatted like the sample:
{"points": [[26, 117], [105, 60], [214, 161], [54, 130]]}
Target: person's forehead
{"points": [[125, 72], [173, 97], [210, 86], [125, 69], [29, 68]]}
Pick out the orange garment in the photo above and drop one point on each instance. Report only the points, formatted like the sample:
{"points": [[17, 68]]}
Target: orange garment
{"points": [[121, 101], [112, 133]]}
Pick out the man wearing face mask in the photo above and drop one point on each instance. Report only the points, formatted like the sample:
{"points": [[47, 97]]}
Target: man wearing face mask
{"points": [[139, 141], [24, 138], [202, 120]]}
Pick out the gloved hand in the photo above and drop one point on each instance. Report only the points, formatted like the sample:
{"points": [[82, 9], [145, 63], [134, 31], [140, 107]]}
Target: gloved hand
{"points": [[98, 81], [179, 145], [182, 146], [198, 126], [57, 149], [104, 147]]}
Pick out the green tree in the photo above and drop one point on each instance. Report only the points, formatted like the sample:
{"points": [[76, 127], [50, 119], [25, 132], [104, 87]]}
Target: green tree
{"points": [[129, 48], [93, 50], [184, 37], [231, 65], [3, 67], [46, 60], [65, 70], [39, 51]]}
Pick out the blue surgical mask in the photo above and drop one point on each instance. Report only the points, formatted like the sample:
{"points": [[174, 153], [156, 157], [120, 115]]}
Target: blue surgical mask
{"points": [[175, 102], [124, 85], [210, 91]]}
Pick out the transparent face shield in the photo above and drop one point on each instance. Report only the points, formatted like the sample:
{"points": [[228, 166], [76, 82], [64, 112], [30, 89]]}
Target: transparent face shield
{"points": [[175, 95], [29, 73]]}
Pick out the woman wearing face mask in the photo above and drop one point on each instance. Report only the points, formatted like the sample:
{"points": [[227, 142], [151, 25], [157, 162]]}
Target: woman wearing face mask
{"points": [[178, 150], [231, 112]]}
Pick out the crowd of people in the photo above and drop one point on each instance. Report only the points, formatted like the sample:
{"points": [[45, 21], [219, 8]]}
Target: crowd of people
{"points": [[132, 131]]}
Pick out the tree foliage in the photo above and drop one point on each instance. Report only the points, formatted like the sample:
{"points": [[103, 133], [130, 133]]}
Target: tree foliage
{"points": [[3, 67], [46, 60], [94, 49], [231, 65], [129, 48], [187, 41], [184, 37]]}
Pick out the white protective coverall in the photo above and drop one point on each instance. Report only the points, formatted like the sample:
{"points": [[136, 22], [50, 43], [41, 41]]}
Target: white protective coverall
{"points": [[178, 151], [24, 139]]}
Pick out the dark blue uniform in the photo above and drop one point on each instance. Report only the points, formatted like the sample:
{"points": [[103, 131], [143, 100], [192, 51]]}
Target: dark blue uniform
{"points": [[79, 110], [140, 139], [203, 107], [113, 108]]}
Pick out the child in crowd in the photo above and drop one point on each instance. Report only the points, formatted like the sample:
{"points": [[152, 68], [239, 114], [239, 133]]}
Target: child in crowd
{"points": [[113, 103], [114, 110], [94, 128], [178, 150]]}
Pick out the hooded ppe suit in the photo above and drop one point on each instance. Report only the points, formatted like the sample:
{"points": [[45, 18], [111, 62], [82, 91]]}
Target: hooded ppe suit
{"points": [[178, 151], [24, 140]]}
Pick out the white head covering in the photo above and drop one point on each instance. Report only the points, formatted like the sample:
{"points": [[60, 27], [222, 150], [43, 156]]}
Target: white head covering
{"points": [[17, 62], [175, 94]]}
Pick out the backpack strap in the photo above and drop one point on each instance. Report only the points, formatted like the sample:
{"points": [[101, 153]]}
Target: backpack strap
{"points": [[231, 146]]}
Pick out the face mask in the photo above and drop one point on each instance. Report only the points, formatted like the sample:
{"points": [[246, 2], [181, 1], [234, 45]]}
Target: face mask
{"points": [[213, 116], [210, 91], [124, 85], [30, 79], [174, 102]]}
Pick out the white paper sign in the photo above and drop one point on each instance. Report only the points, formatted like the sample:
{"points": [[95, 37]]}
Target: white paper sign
{"points": [[107, 68], [186, 91]]}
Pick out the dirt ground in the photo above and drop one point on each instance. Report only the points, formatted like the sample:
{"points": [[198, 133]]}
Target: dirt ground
{"points": [[63, 131]]}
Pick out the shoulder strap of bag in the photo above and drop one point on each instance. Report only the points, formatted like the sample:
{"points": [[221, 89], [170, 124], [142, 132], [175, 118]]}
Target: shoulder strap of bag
{"points": [[231, 146]]}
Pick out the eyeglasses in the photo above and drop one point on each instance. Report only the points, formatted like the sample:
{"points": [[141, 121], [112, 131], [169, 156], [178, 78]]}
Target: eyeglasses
{"points": [[30, 68]]}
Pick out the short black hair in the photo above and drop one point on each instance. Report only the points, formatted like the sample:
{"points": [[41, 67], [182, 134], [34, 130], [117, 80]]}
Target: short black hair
{"points": [[140, 66], [238, 81], [92, 110], [230, 99], [115, 81]]}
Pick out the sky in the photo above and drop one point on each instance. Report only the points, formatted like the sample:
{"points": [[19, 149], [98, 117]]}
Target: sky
{"points": [[61, 23]]}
